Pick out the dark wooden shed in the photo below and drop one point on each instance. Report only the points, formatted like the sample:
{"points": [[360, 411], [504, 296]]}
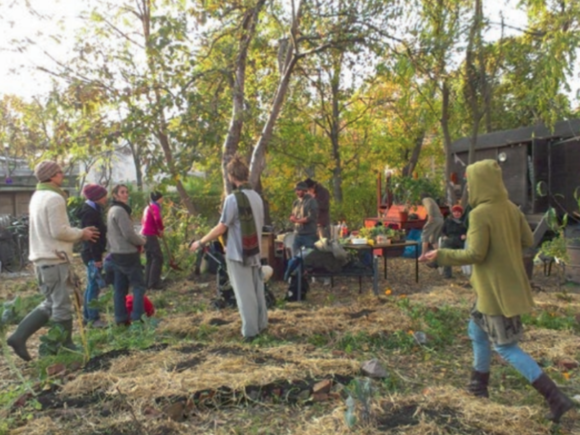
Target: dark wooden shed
{"points": [[527, 156]]}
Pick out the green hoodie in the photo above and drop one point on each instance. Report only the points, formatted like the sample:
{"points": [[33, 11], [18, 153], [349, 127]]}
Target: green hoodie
{"points": [[497, 233]]}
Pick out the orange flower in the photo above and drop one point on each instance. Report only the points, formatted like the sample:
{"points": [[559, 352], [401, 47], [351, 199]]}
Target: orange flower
{"points": [[402, 296], [388, 291], [566, 375]]}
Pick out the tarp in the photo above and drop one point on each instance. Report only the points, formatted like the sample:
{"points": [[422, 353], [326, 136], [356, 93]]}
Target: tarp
{"points": [[412, 236]]}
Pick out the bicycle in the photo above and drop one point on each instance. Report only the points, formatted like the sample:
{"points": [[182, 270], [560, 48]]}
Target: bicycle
{"points": [[14, 246]]}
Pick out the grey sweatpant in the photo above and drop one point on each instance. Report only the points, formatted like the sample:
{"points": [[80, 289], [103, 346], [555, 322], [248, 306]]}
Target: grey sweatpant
{"points": [[248, 287], [57, 292]]}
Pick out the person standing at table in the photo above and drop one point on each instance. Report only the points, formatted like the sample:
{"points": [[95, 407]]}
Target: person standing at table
{"points": [[432, 229], [322, 196], [305, 218]]}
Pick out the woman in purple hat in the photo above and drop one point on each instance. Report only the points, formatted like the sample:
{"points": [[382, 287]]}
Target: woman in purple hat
{"points": [[91, 215]]}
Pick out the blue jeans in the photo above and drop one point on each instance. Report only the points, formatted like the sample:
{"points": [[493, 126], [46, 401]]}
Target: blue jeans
{"points": [[128, 275], [512, 353], [303, 241], [91, 293]]}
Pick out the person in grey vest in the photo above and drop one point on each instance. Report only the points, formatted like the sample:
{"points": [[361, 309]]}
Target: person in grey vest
{"points": [[242, 221], [125, 246]]}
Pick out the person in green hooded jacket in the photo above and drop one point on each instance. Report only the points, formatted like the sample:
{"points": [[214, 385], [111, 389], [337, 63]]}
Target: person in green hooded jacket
{"points": [[497, 234]]}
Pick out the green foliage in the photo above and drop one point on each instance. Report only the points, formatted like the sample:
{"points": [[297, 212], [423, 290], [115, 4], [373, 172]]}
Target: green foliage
{"points": [[552, 320], [74, 205], [409, 190], [9, 313], [53, 341], [556, 246]]}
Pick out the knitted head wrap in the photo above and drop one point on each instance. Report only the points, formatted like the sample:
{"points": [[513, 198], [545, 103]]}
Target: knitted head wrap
{"points": [[94, 192], [45, 170]]}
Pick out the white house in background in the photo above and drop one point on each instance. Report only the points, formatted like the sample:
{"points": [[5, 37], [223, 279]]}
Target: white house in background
{"points": [[123, 171]]}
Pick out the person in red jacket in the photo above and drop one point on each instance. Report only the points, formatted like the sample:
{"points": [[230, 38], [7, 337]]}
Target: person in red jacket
{"points": [[152, 229]]}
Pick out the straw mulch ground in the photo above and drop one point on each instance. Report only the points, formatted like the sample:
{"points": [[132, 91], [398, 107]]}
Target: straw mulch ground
{"points": [[198, 377]]}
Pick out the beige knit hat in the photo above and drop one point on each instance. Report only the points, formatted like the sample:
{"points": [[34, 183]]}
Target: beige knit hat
{"points": [[45, 170]]}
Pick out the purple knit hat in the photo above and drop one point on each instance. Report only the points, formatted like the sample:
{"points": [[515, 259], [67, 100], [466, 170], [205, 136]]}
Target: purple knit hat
{"points": [[94, 192]]}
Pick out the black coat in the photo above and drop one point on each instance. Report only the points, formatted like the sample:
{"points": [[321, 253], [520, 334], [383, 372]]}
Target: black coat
{"points": [[91, 217], [454, 229]]}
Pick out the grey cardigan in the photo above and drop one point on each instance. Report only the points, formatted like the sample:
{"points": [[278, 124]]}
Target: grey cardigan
{"points": [[121, 235]]}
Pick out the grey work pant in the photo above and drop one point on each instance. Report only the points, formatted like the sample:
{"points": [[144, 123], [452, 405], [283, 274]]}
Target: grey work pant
{"points": [[248, 287], [54, 286]]}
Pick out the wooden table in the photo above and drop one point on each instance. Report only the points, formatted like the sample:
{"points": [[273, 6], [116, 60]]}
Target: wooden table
{"points": [[384, 247]]}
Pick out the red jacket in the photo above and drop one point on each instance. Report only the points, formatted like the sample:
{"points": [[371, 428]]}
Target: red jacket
{"points": [[152, 223]]}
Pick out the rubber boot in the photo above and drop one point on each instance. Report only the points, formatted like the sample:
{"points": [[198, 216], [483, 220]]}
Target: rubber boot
{"points": [[68, 327], [478, 384], [35, 320], [558, 402]]}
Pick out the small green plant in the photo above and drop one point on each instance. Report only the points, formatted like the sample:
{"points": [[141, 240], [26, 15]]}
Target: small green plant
{"points": [[52, 341], [359, 392], [318, 340], [556, 247]]}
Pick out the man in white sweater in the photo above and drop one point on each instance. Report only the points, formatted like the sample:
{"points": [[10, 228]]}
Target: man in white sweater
{"points": [[50, 236]]}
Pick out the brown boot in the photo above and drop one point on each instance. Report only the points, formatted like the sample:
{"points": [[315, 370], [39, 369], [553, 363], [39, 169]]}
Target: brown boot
{"points": [[478, 384], [559, 403]]}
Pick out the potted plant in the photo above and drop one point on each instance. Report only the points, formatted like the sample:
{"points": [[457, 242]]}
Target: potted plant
{"points": [[565, 245]]}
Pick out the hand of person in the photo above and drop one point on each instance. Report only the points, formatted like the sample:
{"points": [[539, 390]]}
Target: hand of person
{"points": [[463, 237], [194, 246], [98, 264], [90, 234], [160, 234], [431, 255], [140, 249]]}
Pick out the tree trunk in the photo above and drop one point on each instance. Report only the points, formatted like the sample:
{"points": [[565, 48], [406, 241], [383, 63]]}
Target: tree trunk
{"points": [[414, 159], [136, 154], [233, 137], [447, 142], [164, 141], [335, 135], [260, 189], [258, 162]]}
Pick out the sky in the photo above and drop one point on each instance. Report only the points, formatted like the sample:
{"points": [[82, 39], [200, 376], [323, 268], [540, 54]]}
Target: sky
{"points": [[18, 74], [17, 66]]}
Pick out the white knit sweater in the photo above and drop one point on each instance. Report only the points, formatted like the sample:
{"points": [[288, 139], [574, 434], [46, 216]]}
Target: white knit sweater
{"points": [[50, 229]]}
